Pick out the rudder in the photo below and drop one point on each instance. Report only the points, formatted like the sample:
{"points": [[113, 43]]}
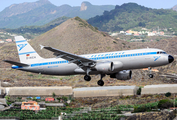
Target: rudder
{"points": [[26, 53]]}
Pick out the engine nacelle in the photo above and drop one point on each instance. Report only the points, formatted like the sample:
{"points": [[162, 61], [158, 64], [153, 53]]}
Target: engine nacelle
{"points": [[122, 75], [105, 67], [118, 66]]}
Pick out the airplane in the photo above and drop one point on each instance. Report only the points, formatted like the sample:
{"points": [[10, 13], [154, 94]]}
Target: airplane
{"points": [[117, 64]]}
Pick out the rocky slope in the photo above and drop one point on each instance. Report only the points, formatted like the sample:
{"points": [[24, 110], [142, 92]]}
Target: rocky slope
{"points": [[174, 8]]}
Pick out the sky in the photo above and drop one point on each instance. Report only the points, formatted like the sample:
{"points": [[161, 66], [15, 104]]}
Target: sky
{"points": [[165, 4]]}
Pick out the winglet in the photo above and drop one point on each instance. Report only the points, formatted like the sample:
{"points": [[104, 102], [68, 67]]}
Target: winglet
{"points": [[42, 47]]}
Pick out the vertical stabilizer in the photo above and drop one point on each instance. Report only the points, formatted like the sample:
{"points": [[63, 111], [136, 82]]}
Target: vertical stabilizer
{"points": [[26, 53]]}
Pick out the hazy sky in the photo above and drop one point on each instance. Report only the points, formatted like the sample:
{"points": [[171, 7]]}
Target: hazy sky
{"points": [[147, 3]]}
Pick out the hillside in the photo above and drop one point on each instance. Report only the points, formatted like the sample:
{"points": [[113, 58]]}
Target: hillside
{"points": [[131, 15], [42, 12], [78, 37], [37, 29], [16, 9]]}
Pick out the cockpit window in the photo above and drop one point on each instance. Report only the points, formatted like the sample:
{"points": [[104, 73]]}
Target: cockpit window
{"points": [[161, 52], [164, 53]]}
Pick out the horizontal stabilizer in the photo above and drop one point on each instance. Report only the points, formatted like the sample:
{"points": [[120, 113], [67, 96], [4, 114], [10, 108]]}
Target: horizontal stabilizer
{"points": [[42, 47], [16, 63]]}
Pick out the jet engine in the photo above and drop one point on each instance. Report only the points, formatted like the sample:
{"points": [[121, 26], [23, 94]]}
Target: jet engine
{"points": [[104, 67], [117, 65], [122, 75]]}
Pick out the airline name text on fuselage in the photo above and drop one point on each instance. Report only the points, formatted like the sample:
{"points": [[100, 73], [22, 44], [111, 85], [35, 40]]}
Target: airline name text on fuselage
{"points": [[107, 54]]}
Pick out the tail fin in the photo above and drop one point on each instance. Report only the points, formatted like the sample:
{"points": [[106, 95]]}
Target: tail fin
{"points": [[26, 53]]}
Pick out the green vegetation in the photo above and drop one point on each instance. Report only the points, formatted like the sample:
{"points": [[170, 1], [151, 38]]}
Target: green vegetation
{"points": [[132, 15], [139, 91], [78, 114], [145, 107], [53, 95], [9, 102], [85, 24], [95, 116], [168, 94], [101, 114], [64, 98], [27, 31], [44, 114], [165, 103]]}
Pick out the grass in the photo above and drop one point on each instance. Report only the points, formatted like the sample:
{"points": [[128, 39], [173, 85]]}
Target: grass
{"points": [[85, 24]]}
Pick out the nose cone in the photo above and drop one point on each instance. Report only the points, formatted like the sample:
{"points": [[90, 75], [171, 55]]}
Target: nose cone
{"points": [[170, 59]]}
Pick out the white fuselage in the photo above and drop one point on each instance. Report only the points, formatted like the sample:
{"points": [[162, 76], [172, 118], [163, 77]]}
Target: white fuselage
{"points": [[131, 59]]}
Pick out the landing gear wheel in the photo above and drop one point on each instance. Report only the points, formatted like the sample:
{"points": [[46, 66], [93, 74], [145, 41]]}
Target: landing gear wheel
{"points": [[151, 75], [87, 78], [100, 82]]}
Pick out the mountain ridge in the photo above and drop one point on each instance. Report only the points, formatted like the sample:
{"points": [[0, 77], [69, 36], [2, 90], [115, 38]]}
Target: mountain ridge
{"points": [[42, 12], [174, 8], [21, 8], [130, 15]]}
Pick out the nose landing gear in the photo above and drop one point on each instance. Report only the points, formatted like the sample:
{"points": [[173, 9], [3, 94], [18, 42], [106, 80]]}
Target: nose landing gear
{"points": [[150, 74]]}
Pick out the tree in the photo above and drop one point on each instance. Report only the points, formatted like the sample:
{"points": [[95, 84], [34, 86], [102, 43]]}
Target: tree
{"points": [[53, 94], [168, 94], [164, 104], [142, 24]]}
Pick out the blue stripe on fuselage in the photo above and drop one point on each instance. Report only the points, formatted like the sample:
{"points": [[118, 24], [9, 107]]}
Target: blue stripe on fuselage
{"points": [[95, 58]]}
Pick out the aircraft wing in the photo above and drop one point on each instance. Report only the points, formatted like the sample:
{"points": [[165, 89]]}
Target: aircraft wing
{"points": [[16, 63], [72, 58]]}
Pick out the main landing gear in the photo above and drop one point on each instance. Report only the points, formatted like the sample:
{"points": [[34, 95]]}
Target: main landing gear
{"points": [[100, 82], [87, 78], [150, 74]]}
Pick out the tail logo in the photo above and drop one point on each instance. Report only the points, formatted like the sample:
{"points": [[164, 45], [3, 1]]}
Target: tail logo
{"points": [[21, 46]]}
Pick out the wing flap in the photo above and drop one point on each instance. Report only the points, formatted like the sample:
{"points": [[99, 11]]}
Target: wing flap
{"points": [[16, 63]]}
